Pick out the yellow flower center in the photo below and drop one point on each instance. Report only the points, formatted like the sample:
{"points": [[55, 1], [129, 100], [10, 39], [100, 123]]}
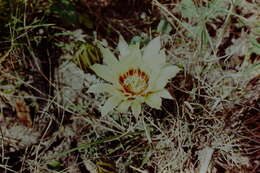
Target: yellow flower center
{"points": [[134, 82]]}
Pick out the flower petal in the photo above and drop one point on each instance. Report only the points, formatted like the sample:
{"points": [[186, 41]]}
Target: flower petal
{"points": [[110, 104], [100, 88], [123, 46], [153, 47], [154, 101], [153, 77], [166, 73], [103, 71], [108, 57], [135, 50], [151, 55], [165, 94], [162, 57], [136, 108], [134, 56], [124, 106]]}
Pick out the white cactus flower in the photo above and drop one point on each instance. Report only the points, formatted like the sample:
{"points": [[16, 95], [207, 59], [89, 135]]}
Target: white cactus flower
{"points": [[137, 77]]}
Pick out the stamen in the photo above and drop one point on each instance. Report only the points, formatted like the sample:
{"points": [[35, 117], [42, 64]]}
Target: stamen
{"points": [[134, 81]]}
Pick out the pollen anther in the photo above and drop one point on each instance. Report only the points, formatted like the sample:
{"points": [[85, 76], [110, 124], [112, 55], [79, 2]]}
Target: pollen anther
{"points": [[134, 81]]}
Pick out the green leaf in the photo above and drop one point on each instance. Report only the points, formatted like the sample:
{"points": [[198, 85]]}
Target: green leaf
{"points": [[164, 27], [216, 7], [55, 165], [65, 9], [87, 55], [136, 39], [188, 9], [147, 131], [146, 158], [97, 142], [255, 46]]}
